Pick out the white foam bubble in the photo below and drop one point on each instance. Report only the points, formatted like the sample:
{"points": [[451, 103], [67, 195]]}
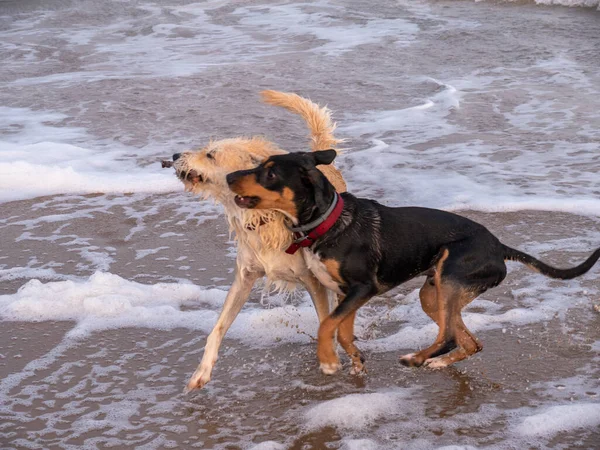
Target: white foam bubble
{"points": [[558, 419], [107, 301], [355, 411], [268, 445], [139, 254], [360, 444], [16, 273]]}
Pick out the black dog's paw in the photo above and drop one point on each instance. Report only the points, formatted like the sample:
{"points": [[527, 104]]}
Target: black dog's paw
{"points": [[410, 360]]}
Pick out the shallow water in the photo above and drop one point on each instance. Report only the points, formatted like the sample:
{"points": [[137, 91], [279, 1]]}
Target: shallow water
{"points": [[490, 108]]}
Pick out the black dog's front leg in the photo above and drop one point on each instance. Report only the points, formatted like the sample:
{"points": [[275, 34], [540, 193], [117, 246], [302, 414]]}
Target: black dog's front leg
{"points": [[342, 318]]}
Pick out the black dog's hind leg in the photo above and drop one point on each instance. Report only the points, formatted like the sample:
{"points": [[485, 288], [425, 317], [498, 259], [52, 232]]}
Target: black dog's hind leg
{"points": [[473, 267], [467, 346], [429, 304], [466, 270], [357, 296], [440, 299], [444, 298]]}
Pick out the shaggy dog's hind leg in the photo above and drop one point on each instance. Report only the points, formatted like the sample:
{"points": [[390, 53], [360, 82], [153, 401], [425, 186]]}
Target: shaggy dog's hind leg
{"points": [[236, 297]]}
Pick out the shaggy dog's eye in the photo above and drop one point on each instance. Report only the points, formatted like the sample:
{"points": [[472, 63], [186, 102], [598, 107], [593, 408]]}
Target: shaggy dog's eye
{"points": [[210, 156]]}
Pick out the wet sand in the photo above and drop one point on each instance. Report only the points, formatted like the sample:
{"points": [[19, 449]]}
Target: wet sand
{"points": [[256, 392], [486, 105]]}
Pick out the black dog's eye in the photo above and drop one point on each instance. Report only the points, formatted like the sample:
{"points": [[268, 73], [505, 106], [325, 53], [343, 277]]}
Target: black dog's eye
{"points": [[271, 175]]}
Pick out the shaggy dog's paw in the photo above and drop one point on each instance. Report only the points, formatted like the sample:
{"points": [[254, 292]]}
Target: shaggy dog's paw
{"points": [[200, 377]]}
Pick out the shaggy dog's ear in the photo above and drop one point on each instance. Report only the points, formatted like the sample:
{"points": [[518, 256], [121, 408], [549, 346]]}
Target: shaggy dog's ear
{"points": [[256, 161]]}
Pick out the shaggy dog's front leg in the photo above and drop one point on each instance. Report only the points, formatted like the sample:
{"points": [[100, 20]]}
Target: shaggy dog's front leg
{"points": [[236, 297], [319, 296]]}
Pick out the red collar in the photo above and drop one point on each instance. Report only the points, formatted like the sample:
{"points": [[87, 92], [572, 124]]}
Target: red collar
{"points": [[301, 240]]}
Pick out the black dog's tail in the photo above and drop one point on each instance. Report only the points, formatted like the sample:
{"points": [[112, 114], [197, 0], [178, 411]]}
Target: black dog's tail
{"points": [[537, 265]]}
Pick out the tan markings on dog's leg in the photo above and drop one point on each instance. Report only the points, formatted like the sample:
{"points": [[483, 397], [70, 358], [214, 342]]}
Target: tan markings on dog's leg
{"points": [[319, 295], [444, 341], [333, 268], [466, 338], [441, 362], [346, 340], [436, 303], [467, 343], [329, 361], [428, 297], [236, 297], [429, 304]]}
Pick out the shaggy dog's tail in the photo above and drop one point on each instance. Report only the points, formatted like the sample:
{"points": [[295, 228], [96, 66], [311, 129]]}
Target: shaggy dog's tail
{"points": [[320, 125], [317, 118]]}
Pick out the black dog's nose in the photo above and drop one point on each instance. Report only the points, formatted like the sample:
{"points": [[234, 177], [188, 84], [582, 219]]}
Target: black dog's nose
{"points": [[231, 177], [176, 156], [234, 176]]}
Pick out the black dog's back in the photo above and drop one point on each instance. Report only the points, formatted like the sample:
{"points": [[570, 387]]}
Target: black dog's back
{"points": [[408, 240]]}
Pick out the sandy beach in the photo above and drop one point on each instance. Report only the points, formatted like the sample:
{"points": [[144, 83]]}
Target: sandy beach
{"points": [[86, 387], [111, 276]]}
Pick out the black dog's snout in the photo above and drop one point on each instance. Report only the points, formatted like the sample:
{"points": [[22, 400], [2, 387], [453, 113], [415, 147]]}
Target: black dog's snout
{"points": [[176, 156], [231, 177], [234, 176]]}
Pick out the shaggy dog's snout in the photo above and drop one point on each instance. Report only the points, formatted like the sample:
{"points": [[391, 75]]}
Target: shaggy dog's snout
{"points": [[192, 176]]}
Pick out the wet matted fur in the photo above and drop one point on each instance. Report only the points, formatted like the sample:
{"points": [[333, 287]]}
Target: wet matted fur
{"points": [[262, 236]]}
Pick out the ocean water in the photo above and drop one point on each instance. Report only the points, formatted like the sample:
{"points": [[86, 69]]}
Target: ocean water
{"points": [[487, 107]]}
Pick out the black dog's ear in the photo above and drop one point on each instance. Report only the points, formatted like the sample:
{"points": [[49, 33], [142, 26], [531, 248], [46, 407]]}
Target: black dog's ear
{"points": [[324, 156], [317, 181], [319, 157]]}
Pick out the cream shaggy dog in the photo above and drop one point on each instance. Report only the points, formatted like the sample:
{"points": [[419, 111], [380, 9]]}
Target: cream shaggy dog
{"points": [[262, 236]]}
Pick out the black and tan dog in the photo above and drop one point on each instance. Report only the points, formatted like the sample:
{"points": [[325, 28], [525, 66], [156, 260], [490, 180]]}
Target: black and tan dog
{"points": [[360, 248]]}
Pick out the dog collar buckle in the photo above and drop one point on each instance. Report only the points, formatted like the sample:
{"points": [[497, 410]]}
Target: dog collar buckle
{"points": [[300, 241]]}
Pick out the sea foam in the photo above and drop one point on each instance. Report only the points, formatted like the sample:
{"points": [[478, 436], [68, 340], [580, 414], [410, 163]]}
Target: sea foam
{"points": [[40, 156]]}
